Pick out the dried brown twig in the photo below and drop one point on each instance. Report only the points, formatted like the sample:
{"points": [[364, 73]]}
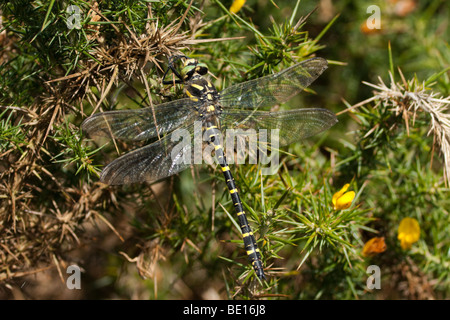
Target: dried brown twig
{"points": [[409, 98]]}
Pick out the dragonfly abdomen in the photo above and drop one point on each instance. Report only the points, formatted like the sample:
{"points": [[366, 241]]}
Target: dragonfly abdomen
{"points": [[250, 244]]}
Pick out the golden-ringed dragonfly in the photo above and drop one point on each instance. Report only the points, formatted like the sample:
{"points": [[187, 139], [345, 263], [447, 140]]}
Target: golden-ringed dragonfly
{"points": [[236, 106]]}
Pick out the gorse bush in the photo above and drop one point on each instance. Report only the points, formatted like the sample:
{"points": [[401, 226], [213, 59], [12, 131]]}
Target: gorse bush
{"points": [[371, 191]]}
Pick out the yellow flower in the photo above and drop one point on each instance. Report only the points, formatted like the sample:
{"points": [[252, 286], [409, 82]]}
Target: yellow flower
{"points": [[374, 246], [408, 232], [342, 199], [237, 5]]}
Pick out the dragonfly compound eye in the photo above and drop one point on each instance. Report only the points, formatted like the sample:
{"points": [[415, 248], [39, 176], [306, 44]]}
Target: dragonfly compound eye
{"points": [[201, 69], [191, 67]]}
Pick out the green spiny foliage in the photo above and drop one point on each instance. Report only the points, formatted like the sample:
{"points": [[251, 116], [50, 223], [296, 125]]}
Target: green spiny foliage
{"points": [[182, 233]]}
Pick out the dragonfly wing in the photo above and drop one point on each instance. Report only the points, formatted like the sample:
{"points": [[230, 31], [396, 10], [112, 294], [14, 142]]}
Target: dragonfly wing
{"points": [[293, 125], [273, 89], [153, 162], [141, 124]]}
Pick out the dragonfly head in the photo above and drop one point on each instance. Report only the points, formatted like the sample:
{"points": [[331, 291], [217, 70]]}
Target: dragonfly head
{"points": [[191, 67]]}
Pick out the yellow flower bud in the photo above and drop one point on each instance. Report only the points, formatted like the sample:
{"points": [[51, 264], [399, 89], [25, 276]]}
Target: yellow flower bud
{"points": [[237, 5], [342, 199], [374, 246], [408, 232]]}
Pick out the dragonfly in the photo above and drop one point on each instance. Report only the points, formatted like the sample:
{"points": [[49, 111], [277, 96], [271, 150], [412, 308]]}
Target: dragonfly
{"points": [[241, 105]]}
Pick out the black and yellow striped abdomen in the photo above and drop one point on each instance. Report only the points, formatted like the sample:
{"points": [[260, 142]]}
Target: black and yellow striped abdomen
{"points": [[250, 245]]}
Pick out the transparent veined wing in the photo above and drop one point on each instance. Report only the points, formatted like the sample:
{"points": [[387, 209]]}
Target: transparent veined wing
{"points": [[293, 125], [142, 124], [273, 89], [153, 162]]}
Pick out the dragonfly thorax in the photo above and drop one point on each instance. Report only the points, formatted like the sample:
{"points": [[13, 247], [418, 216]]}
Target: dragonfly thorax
{"points": [[201, 90]]}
